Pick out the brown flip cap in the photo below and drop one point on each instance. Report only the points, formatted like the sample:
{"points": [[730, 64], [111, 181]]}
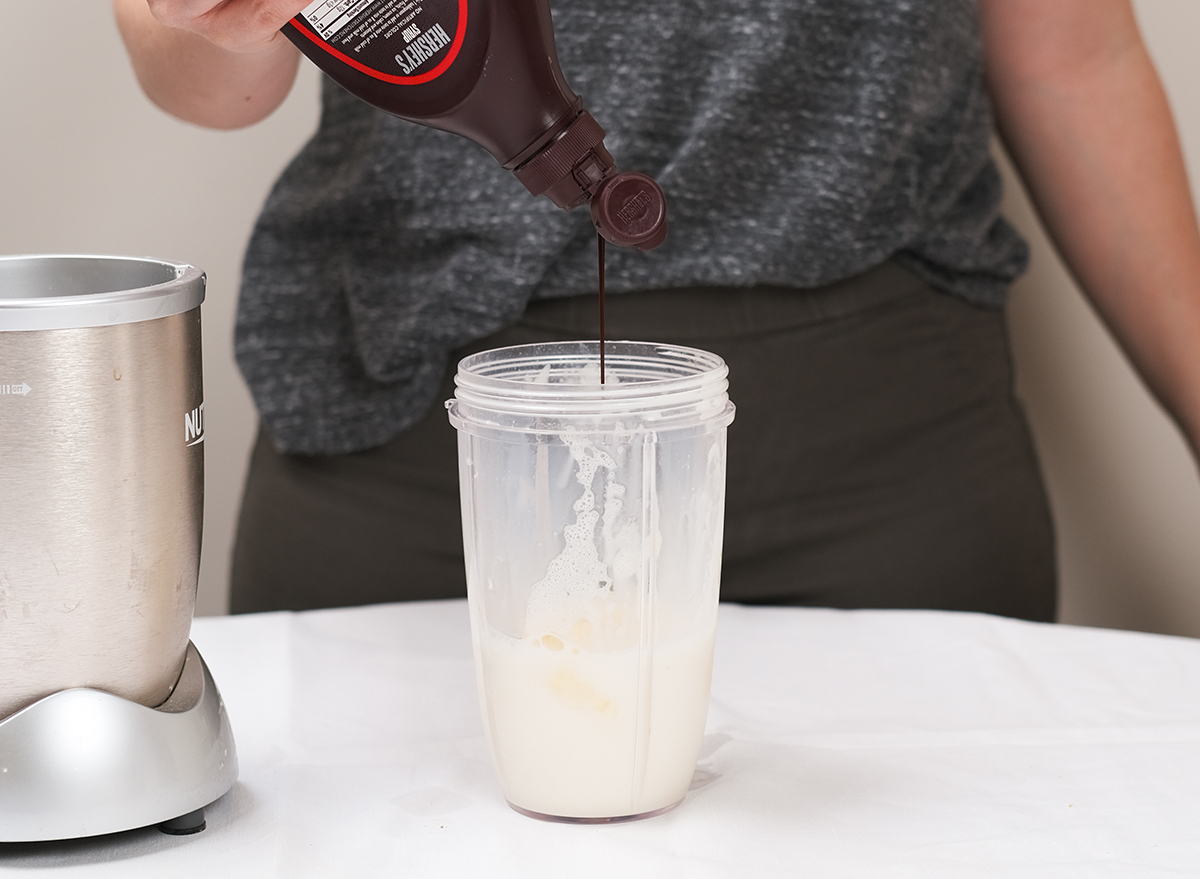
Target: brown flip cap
{"points": [[628, 208]]}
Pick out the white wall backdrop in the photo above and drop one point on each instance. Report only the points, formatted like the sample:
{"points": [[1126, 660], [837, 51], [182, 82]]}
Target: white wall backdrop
{"points": [[87, 165]]}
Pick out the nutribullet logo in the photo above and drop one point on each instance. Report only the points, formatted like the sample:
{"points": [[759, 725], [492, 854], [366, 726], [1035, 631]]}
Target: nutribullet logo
{"points": [[20, 390], [193, 426]]}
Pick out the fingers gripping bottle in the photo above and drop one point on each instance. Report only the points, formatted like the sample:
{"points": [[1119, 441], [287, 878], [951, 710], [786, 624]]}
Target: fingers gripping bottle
{"points": [[487, 70]]}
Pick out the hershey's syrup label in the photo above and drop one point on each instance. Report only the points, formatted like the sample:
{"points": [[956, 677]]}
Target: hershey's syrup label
{"points": [[406, 42]]}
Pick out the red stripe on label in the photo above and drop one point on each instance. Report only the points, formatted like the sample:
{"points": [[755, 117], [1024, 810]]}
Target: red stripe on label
{"points": [[460, 35]]}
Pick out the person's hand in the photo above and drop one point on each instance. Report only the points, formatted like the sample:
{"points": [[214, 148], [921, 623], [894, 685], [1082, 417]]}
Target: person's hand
{"points": [[234, 25], [217, 63]]}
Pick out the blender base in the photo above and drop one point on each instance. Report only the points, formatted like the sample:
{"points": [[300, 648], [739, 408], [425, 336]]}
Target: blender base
{"points": [[82, 762]]}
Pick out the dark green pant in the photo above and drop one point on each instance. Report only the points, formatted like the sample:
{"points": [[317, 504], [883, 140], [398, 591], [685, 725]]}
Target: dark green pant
{"points": [[878, 459]]}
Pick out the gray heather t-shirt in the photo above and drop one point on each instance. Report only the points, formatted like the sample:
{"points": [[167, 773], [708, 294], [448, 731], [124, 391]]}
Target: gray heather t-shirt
{"points": [[798, 142]]}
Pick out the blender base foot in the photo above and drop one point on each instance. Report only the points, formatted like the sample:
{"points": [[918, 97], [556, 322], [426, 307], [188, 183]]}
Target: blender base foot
{"points": [[184, 825]]}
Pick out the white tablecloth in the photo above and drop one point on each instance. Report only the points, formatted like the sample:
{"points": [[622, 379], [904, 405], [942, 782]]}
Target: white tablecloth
{"points": [[864, 744]]}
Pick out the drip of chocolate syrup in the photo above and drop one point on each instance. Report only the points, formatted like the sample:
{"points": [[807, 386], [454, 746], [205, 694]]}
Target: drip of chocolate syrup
{"points": [[600, 249]]}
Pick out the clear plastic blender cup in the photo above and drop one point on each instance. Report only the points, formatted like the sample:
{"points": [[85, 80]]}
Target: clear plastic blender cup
{"points": [[592, 520]]}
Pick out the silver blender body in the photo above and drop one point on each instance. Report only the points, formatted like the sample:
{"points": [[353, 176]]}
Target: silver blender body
{"points": [[101, 505]]}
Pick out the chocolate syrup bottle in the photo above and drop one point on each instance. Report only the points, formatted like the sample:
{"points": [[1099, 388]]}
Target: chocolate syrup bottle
{"points": [[487, 70]]}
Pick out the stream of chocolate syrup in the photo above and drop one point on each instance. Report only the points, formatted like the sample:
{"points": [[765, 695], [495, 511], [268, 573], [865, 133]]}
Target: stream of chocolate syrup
{"points": [[600, 249]]}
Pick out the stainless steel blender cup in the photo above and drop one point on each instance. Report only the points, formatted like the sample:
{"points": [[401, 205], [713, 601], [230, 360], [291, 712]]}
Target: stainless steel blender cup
{"points": [[101, 474]]}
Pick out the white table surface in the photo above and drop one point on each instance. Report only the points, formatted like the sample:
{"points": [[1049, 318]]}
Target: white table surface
{"points": [[865, 743]]}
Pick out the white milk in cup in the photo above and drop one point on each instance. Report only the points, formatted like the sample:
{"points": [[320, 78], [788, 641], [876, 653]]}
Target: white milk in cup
{"points": [[592, 519]]}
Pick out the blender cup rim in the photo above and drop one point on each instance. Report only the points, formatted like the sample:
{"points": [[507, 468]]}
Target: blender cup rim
{"points": [[70, 291], [639, 369], [657, 387]]}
